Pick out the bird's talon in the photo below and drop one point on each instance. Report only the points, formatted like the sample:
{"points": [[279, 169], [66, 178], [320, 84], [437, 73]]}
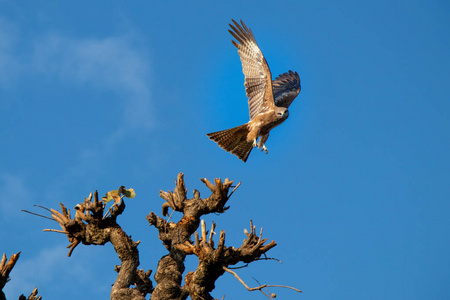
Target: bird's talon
{"points": [[265, 149]]}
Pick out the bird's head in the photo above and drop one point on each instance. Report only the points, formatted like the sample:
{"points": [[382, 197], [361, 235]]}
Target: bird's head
{"points": [[282, 112]]}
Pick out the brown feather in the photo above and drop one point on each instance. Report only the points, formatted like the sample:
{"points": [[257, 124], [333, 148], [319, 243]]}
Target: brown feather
{"points": [[234, 140], [258, 79]]}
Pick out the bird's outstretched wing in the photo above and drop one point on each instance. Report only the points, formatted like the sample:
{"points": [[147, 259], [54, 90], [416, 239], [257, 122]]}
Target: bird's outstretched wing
{"points": [[258, 79], [285, 88]]}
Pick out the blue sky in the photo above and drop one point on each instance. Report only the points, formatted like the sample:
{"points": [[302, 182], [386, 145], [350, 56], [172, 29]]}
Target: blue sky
{"points": [[355, 188]]}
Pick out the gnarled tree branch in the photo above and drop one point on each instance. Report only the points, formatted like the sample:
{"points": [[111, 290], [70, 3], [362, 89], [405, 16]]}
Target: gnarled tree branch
{"points": [[213, 261], [91, 226], [171, 267]]}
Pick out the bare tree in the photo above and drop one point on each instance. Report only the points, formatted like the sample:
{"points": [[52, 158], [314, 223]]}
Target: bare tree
{"points": [[92, 225]]}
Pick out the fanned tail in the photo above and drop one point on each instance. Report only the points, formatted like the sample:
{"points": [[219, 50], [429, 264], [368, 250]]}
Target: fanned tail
{"points": [[234, 140]]}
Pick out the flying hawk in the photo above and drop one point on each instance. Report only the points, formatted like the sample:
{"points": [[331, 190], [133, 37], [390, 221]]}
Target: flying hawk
{"points": [[268, 101]]}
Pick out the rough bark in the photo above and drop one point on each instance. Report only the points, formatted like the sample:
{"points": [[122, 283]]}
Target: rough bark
{"points": [[171, 267], [91, 227], [176, 238], [213, 261]]}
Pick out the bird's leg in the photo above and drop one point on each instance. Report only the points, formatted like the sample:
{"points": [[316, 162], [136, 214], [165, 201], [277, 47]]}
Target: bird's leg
{"points": [[262, 143], [265, 149], [255, 144]]}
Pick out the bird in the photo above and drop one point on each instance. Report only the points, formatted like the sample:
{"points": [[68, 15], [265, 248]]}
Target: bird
{"points": [[268, 101]]}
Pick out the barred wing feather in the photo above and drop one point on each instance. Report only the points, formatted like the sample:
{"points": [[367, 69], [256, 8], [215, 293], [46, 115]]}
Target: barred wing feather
{"points": [[258, 79]]}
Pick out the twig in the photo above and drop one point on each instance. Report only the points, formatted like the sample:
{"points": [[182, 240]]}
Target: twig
{"points": [[55, 230], [240, 267], [270, 258], [259, 288], [111, 208], [272, 295], [170, 217], [42, 207], [32, 213], [107, 213], [234, 189]]}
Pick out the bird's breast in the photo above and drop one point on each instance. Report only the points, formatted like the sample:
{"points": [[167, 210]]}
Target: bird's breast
{"points": [[265, 122]]}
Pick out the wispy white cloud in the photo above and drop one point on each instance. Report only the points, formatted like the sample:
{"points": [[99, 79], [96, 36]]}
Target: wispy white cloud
{"points": [[117, 63], [110, 63], [113, 64]]}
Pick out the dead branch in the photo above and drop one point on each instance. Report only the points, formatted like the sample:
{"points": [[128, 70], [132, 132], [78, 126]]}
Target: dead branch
{"points": [[260, 288], [176, 234], [33, 296], [6, 267], [178, 201], [91, 226], [214, 261]]}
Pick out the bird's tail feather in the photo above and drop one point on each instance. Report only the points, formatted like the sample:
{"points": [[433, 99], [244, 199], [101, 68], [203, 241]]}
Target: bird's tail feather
{"points": [[234, 140]]}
